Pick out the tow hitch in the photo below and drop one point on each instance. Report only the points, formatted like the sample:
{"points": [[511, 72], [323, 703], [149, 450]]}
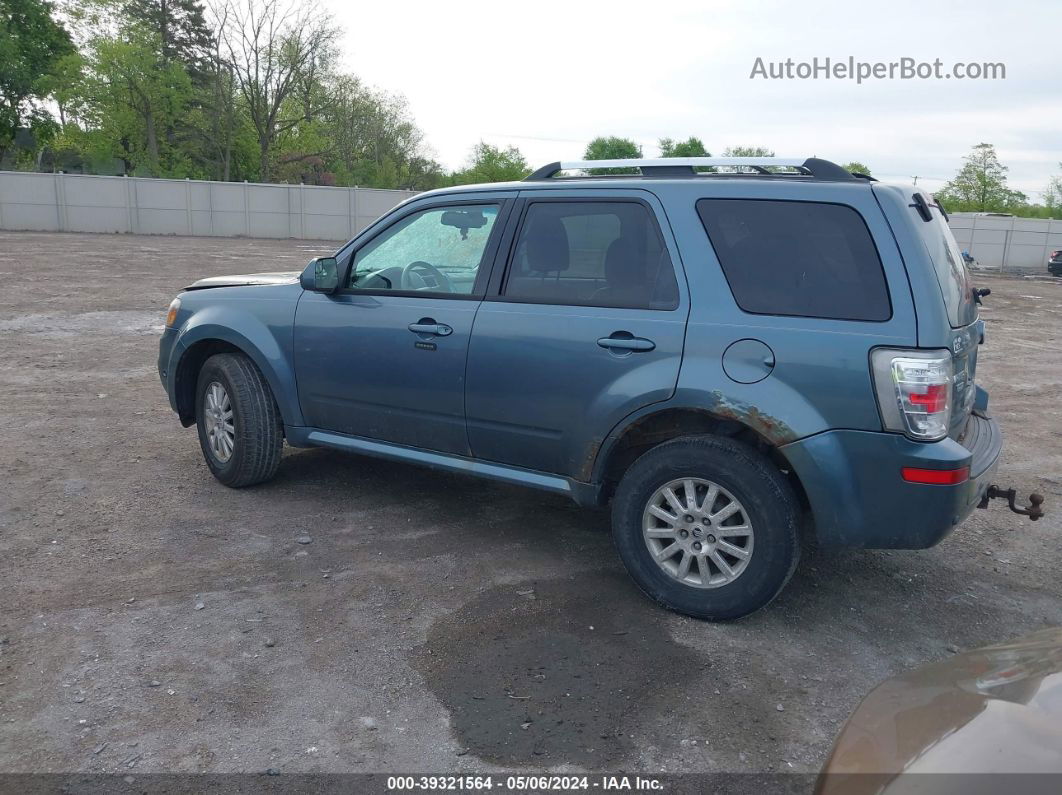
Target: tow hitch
{"points": [[1033, 511]]}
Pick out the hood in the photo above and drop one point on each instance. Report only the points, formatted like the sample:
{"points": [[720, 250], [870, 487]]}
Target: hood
{"points": [[991, 710], [242, 280]]}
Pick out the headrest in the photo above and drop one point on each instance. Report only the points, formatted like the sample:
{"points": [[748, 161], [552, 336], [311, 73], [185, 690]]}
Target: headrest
{"points": [[547, 244], [623, 264]]}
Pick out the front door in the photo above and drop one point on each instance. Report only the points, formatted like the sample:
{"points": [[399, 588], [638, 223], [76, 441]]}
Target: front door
{"points": [[384, 357], [586, 327]]}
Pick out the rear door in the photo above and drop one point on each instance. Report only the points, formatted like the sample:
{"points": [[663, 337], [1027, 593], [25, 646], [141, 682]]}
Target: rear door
{"points": [[583, 325]]}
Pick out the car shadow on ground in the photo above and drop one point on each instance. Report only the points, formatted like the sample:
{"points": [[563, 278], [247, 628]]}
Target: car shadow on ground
{"points": [[555, 656], [468, 510]]}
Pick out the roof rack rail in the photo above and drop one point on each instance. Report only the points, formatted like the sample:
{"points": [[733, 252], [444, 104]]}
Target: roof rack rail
{"points": [[813, 167]]}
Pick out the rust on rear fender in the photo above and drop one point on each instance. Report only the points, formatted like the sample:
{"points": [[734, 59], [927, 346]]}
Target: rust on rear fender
{"points": [[770, 428]]}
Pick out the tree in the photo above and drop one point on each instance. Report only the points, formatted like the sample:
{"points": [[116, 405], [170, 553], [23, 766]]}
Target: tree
{"points": [[612, 148], [155, 91], [216, 121], [981, 184], [1053, 194], [183, 33], [31, 44], [273, 49], [745, 151], [63, 83], [138, 90], [748, 151], [421, 172], [488, 163], [133, 98], [374, 139], [691, 147], [184, 38], [855, 167]]}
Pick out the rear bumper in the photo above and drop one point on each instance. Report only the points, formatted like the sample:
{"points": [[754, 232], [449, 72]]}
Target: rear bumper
{"points": [[1054, 268], [858, 498]]}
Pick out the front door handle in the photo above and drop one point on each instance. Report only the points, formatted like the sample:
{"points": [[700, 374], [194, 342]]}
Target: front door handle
{"points": [[428, 326], [624, 341]]}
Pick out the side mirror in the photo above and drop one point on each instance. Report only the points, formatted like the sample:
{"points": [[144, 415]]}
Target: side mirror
{"points": [[321, 275]]}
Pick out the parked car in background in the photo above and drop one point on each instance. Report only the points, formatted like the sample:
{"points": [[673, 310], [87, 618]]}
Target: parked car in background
{"points": [[1054, 263], [941, 728], [715, 355]]}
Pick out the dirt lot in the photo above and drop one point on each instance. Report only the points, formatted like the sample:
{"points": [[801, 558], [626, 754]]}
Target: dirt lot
{"points": [[153, 620]]}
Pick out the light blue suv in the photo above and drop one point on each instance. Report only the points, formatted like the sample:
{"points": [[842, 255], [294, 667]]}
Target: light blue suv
{"points": [[717, 348]]}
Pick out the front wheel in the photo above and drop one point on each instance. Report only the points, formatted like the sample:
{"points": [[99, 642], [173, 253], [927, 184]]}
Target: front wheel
{"points": [[707, 526], [240, 430]]}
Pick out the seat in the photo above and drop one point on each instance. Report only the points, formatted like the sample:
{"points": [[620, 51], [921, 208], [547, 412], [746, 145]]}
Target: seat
{"points": [[547, 246], [625, 275], [546, 251]]}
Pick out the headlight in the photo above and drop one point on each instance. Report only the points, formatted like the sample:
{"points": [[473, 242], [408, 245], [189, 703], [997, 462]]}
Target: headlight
{"points": [[171, 316]]}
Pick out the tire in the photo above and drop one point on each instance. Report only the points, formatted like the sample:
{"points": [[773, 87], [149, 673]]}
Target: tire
{"points": [[254, 429], [765, 503]]}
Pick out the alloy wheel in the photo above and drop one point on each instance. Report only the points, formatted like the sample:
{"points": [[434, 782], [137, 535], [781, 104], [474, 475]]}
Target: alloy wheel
{"points": [[217, 414], [698, 533]]}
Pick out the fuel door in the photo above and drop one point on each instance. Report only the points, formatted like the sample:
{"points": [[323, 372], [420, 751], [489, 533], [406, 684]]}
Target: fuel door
{"points": [[748, 361]]}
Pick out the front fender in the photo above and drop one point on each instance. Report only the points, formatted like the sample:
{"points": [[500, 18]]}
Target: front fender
{"points": [[267, 342]]}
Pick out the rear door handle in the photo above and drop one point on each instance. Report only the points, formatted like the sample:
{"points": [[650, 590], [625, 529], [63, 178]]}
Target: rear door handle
{"points": [[428, 326], [622, 341]]}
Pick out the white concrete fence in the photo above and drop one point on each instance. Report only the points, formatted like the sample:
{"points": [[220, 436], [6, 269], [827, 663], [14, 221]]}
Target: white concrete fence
{"points": [[1007, 243], [84, 203]]}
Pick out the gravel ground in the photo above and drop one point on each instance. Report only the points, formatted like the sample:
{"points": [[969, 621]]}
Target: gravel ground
{"points": [[153, 620]]}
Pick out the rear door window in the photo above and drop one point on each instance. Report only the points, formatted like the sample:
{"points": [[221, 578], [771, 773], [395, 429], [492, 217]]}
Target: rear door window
{"points": [[796, 258], [591, 253]]}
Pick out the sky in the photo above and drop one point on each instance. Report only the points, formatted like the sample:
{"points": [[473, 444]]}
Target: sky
{"points": [[549, 76]]}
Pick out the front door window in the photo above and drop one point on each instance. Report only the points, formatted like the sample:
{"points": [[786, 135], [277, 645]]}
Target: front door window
{"points": [[439, 250]]}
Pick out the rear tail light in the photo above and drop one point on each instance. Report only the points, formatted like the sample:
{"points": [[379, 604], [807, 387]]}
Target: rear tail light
{"points": [[914, 391], [930, 398]]}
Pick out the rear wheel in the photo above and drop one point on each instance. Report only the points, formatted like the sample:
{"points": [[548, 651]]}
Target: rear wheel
{"points": [[240, 429], [707, 526]]}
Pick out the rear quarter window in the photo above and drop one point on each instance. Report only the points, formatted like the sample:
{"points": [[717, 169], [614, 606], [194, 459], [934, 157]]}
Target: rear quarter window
{"points": [[796, 258]]}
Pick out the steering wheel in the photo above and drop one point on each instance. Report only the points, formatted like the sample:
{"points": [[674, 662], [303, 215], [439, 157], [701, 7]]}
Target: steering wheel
{"points": [[428, 275]]}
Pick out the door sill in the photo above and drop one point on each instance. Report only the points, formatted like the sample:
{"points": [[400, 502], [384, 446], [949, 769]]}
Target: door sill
{"points": [[315, 437]]}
